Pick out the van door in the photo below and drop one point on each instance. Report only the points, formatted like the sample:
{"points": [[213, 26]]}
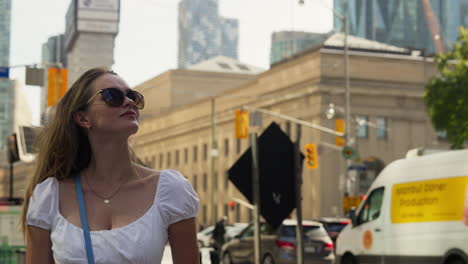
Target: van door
{"points": [[369, 229]]}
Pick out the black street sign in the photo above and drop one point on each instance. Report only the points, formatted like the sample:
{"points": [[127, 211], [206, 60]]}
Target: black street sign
{"points": [[277, 180]]}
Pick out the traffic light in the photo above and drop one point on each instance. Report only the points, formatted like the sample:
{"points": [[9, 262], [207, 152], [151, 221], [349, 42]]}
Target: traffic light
{"points": [[56, 84], [242, 124], [311, 156], [340, 126]]}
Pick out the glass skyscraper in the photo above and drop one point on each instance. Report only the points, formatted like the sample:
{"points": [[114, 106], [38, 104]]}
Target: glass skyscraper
{"points": [[285, 44], [6, 85], [203, 34], [403, 22], [5, 15]]}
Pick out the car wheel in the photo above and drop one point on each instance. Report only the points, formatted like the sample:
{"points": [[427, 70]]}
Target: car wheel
{"points": [[268, 259], [349, 259], [226, 258]]}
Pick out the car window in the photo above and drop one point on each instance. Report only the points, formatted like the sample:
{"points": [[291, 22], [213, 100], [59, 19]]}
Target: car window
{"points": [[309, 230], [371, 208], [249, 232]]}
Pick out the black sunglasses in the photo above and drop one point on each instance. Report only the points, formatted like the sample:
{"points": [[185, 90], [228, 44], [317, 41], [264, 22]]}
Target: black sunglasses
{"points": [[115, 97]]}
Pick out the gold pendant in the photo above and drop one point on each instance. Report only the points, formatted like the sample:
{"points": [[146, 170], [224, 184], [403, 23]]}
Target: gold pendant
{"points": [[106, 201]]}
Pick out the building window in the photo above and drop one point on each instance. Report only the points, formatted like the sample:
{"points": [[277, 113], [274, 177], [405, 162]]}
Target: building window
{"points": [[226, 210], [243, 67], [215, 211], [442, 135], [288, 128], [238, 146], [205, 182], [195, 182], [177, 157], [224, 66], [215, 180], [186, 155], [161, 160], [195, 152], [238, 213], [205, 151], [226, 147], [3, 114], [226, 181], [204, 213], [381, 127], [153, 162], [362, 129], [168, 159]]}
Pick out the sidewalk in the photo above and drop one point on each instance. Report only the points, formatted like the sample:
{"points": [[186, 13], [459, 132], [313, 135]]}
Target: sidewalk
{"points": [[167, 258]]}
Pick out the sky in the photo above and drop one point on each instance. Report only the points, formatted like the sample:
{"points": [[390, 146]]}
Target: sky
{"points": [[146, 44]]}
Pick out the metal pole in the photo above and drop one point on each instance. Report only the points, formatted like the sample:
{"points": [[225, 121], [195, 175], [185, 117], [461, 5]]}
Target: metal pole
{"points": [[213, 154], [256, 196], [348, 130], [298, 187]]}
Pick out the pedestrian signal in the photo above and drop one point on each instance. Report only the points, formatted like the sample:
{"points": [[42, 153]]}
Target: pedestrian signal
{"points": [[242, 124], [311, 156]]}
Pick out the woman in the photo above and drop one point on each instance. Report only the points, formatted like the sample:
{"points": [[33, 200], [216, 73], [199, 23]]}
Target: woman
{"points": [[131, 211]]}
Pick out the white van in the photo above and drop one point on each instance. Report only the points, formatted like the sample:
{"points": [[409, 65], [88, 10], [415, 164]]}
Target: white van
{"points": [[416, 211]]}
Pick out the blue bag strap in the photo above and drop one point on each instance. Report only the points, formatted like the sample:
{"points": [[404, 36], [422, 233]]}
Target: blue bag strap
{"points": [[84, 220]]}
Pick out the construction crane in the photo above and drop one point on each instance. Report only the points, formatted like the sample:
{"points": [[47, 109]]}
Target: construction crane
{"points": [[433, 27]]}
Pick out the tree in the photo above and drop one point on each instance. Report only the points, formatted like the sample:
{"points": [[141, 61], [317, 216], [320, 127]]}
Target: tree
{"points": [[446, 95]]}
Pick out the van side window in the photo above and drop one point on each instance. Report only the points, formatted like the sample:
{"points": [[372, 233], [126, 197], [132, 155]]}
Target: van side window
{"points": [[371, 208]]}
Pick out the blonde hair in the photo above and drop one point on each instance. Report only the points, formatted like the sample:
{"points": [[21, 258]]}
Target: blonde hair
{"points": [[63, 146]]}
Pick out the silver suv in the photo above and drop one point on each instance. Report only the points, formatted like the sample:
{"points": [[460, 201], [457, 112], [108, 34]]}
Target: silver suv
{"points": [[279, 245]]}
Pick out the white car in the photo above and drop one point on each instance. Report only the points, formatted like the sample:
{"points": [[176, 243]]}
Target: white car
{"points": [[205, 236]]}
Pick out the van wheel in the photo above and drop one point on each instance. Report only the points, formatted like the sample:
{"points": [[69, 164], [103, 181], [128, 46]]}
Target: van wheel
{"points": [[455, 261], [268, 260], [349, 259]]}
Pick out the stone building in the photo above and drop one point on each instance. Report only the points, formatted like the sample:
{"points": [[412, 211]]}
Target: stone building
{"points": [[387, 87]]}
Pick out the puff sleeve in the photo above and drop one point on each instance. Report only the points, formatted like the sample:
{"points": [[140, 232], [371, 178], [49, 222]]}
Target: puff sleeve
{"points": [[43, 204], [178, 200]]}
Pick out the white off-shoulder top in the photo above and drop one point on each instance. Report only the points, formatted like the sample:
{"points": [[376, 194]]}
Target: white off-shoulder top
{"points": [[142, 241]]}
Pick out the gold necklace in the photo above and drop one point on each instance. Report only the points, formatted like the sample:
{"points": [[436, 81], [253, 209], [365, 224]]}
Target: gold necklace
{"points": [[108, 198]]}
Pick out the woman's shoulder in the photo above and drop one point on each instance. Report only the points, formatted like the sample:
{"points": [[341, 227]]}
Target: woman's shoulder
{"points": [[147, 174], [173, 176], [172, 182], [48, 183]]}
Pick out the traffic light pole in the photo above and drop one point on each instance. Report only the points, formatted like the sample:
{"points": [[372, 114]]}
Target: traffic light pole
{"points": [[298, 187], [256, 195], [295, 120]]}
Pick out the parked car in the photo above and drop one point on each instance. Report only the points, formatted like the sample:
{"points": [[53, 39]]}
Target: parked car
{"points": [[333, 225], [279, 245], [205, 236]]}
